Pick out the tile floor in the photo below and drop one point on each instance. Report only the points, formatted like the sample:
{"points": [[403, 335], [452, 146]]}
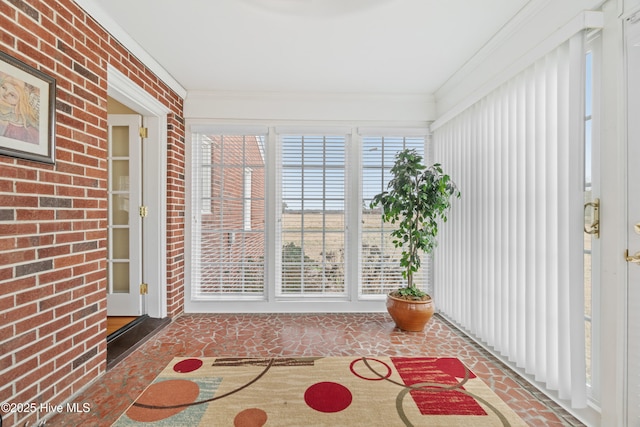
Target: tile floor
{"points": [[279, 335]]}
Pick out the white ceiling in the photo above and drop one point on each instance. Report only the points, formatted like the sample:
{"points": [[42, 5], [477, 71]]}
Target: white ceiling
{"points": [[332, 46]]}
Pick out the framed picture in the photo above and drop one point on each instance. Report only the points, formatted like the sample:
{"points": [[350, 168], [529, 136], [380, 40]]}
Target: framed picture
{"points": [[27, 111]]}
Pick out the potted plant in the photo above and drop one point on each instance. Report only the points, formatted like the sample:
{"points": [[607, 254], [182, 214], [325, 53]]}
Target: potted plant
{"points": [[416, 199]]}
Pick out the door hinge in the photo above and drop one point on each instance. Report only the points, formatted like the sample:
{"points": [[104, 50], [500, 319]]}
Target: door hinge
{"points": [[144, 132], [144, 211], [144, 288]]}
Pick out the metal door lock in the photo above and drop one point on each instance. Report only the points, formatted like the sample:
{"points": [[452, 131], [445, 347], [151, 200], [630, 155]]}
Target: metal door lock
{"points": [[594, 227], [632, 258]]}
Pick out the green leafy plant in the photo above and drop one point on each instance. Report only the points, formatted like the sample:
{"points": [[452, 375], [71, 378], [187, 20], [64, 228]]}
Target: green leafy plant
{"points": [[417, 197]]}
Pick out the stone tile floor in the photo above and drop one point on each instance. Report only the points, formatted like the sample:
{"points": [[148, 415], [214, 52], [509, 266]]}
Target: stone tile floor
{"points": [[284, 335]]}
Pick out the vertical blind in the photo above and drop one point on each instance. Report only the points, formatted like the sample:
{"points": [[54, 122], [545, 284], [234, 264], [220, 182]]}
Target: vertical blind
{"points": [[509, 267]]}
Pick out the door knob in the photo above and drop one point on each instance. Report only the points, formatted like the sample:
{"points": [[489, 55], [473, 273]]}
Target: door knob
{"points": [[632, 258]]}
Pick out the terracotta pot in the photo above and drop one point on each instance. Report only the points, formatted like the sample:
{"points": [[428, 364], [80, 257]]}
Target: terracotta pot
{"points": [[410, 315]]}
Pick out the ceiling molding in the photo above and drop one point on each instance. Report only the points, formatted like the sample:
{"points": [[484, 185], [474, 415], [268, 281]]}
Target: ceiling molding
{"points": [[314, 8], [309, 106], [125, 91], [526, 13], [584, 20]]}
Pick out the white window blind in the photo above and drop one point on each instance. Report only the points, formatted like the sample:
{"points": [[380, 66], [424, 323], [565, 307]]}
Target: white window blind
{"points": [[312, 222], [228, 238], [379, 258], [509, 268], [248, 197], [287, 224]]}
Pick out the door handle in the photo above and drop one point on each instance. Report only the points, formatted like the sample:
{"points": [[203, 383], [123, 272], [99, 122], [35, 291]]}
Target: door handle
{"points": [[632, 258], [594, 227]]}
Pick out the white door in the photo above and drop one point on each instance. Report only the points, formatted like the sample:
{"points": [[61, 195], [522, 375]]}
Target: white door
{"points": [[633, 224], [124, 242]]}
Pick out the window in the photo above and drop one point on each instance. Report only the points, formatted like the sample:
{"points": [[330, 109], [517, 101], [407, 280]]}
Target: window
{"points": [[588, 218], [313, 215], [248, 196], [205, 178], [379, 258], [591, 193], [282, 218], [229, 237]]}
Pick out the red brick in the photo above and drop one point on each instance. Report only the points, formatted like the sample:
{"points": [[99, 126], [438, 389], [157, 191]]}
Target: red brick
{"points": [[34, 294], [54, 276], [54, 227], [54, 301], [34, 348], [31, 187], [34, 322], [39, 234], [6, 361], [34, 215], [18, 285], [18, 229], [71, 283], [59, 348], [80, 292], [18, 342], [68, 308], [68, 261], [21, 395], [17, 256], [34, 241], [53, 251], [7, 302], [52, 379], [55, 326], [68, 357], [69, 331]]}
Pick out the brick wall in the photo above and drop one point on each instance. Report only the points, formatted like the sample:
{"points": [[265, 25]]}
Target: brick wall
{"points": [[53, 217], [175, 215]]}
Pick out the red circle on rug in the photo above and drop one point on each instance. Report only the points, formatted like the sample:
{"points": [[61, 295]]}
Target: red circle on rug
{"points": [[252, 417], [162, 394], [374, 377], [453, 367], [187, 365], [328, 397]]}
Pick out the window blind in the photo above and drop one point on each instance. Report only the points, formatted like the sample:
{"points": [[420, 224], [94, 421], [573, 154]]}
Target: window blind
{"points": [[509, 267], [228, 237], [312, 222], [379, 259]]}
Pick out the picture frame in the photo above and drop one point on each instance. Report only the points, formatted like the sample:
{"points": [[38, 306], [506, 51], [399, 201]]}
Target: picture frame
{"points": [[27, 111]]}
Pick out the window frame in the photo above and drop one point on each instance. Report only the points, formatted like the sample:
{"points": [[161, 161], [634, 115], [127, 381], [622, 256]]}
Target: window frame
{"points": [[593, 46], [305, 168], [351, 300], [422, 277]]}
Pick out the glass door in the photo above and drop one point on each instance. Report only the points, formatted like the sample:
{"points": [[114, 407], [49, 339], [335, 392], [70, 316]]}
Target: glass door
{"points": [[124, 243], [633, 224]]}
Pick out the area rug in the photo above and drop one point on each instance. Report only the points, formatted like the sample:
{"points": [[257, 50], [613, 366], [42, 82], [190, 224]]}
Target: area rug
{"points": [[326, 391]]}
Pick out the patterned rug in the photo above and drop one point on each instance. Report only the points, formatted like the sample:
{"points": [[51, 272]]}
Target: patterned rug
{"points": [[327, 391]]}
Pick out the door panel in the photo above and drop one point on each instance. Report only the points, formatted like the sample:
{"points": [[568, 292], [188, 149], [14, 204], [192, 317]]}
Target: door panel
{"points": [[633, 224], [124, 256]]}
